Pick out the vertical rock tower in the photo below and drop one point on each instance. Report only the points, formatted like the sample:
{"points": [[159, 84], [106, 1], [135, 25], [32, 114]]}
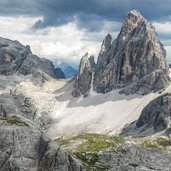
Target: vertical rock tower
{"points": [[85, 75], [134, 61]]}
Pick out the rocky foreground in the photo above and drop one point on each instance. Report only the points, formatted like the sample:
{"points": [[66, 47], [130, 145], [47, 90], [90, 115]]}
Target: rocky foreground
{"points": [[24, 147]]}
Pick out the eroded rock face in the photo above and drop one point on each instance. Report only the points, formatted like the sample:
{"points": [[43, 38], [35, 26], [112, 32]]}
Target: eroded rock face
{"points": [[153, 82], [155, 117], [33, 64], [14, 57], [24, 147], [129, 157], [84, 76], [135, 60], [135, 54]]}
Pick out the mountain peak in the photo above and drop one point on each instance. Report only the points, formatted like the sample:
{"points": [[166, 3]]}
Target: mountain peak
{"points": [[136, 59], [84, 76], [84, 63], [106, 43], [134, 12], [134, 15]]}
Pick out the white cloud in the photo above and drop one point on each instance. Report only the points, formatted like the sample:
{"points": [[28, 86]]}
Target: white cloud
{"points": [[65, 41], [168, 50], [162, 28]]}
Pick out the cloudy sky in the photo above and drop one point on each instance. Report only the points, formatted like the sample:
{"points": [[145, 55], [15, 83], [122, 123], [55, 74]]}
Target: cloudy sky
{"points": [[69, 28]]}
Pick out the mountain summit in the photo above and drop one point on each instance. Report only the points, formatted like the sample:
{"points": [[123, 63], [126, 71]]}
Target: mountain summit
{"points": [[134, 61]]}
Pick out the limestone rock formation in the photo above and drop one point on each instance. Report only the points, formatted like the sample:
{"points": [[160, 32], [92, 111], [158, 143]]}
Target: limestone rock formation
{"points": [[84, 76], [130, 157], [135, 54], [153, 82], [24, 147], [33, 64], [135, 60], [154, 118], [14, 57]]}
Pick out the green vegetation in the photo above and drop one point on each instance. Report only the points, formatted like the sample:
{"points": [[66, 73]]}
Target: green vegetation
{"points": [[149, 144], [158, 142], [13, 120], [90, 142], [87, 146]]}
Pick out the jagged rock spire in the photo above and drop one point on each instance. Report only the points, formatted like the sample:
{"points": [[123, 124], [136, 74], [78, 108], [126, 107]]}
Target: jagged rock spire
{"points": [[135, 60], [134, 54], [84, 77]]}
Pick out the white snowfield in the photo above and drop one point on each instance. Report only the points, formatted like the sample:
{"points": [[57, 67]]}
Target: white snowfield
{"points": [[97, 113]]}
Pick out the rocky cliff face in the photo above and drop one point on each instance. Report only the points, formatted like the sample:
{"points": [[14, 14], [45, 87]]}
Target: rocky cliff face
{"points": [[14, 57], [24, 147], [135, 59], [33, 64], [135, 54], [84, 76], [154, 118]]}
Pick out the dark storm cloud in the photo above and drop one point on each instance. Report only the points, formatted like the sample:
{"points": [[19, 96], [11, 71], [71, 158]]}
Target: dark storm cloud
{"points": [[88, 13]]}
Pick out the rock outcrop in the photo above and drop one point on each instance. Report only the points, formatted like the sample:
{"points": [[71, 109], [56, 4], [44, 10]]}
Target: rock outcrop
{"points": [[154, 118], [135, 54], [130, 157], [14, 57], [24, 147], [135, 60], [84, 76], [33, 64]]}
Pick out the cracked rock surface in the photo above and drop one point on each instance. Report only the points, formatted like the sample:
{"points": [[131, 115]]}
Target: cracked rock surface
{"points": [[129, 157], [24, 148]]}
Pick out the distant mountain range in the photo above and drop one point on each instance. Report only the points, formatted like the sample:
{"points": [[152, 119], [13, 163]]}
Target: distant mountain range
{"points": [[69, 67]]}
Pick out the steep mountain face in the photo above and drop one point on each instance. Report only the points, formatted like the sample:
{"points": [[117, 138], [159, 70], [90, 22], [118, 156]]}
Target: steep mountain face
{"points": [[34, 64], [85, 75], [154, 118], [135, 60], [135, 54], [59, 73], [14, 57]]}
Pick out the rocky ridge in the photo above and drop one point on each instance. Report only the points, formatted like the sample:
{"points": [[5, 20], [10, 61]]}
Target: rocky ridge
{"points": [[16, 58], [135, 60], [23, 143], [154, 118]]}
